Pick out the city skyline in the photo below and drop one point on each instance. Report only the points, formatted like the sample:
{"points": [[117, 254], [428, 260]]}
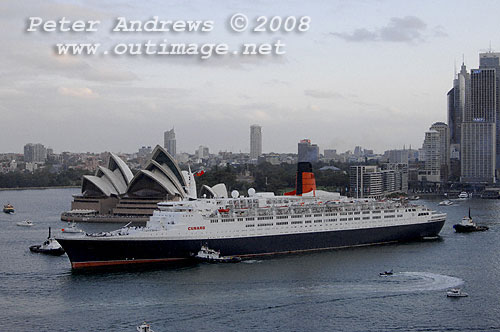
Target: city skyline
{"points": [[355, 79]]}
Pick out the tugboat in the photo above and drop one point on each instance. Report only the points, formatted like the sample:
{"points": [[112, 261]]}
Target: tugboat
{"points": [[49, 247], [456, 292], [213, 256], [467, 226], [8, 208], [386, 273], [144, 327]]}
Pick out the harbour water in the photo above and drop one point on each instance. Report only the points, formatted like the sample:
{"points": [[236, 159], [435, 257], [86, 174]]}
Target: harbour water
{"points": [[338, 290]]}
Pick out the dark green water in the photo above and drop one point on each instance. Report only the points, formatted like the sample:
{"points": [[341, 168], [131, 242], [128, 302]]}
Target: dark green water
{"points": [[337, 290]]}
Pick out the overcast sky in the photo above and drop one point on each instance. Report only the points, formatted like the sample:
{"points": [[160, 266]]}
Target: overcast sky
{"points": [[369, 73]]}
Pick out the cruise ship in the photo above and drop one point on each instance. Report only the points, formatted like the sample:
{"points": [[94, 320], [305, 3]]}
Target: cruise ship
{"points": [[257, 224]]}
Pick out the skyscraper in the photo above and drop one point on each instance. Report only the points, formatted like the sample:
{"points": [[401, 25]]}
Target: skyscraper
{"points": [[35, 153], [458, 99], [307, 151], [444, 148], [432, 149], [255, 141], [492, 60], [169, 142], [478, 148]]}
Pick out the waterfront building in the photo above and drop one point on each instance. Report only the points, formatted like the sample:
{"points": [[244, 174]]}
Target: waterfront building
{"points": [[478, 147], [308, 152], [373, 182], [432, 152], [35, 153], [169, 142], [255, 141], [365, 182], [444, 148]]}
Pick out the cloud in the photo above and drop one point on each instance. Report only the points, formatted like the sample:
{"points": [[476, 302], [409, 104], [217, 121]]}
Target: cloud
{"points": [[321, 94], [77, 92], [408, 29]]}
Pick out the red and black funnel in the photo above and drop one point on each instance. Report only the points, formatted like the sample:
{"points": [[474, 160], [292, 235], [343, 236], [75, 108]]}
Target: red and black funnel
{"points": [[305, 181]]}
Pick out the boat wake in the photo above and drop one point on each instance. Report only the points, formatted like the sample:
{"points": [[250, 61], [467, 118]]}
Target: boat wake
{"points": [[251, 261], [426, 281], [396, 284]]}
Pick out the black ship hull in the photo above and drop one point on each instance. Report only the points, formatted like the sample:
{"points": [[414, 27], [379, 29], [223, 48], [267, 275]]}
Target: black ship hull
{"points": [[469, 228], [95, 252]]}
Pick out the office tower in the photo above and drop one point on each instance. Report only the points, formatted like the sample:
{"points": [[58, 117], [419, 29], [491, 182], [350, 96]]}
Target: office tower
{"points": [[478, 148], [458, 99], [307, 151], [330, 153], [169, 142], [444, 148], [203, 152], [255, 141], [486, 61], [432, 151], [35, 153]]}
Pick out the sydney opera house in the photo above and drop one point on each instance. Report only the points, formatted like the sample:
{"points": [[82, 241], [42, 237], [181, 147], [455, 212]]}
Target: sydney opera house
{"points": [[114, 193]]}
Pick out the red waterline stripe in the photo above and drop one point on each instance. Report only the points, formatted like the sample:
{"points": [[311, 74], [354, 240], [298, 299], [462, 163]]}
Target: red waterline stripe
{"points": [[78, 265]]}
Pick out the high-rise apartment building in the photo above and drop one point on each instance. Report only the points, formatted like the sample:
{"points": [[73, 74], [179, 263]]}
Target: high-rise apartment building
{"points": [[169, 142], [307, 151], [35, 153], [432, 150], [479, 132], [444, 148], [255, 141]]}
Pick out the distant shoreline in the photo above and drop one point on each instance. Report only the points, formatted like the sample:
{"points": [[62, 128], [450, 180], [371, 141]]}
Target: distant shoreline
{"points": [[39, 188]]}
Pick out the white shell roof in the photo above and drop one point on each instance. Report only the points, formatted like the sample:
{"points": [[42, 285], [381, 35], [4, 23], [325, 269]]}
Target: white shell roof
{"points": [[101, 183]]}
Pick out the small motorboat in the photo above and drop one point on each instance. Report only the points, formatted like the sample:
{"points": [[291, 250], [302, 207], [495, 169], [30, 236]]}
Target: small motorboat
{"points": [[468, 226], [386, 273], [8, 208], [213, 256], [71, 229], [49, 247], [414, 198], [446, 202], [463, 195], [144, 327], [456, 292], [25, 223]]}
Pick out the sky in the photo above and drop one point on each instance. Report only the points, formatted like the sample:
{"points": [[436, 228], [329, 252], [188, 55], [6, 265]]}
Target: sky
{"points": [[368, 73]]}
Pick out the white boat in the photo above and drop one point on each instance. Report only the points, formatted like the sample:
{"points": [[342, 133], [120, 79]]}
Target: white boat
{"points": [[463, 195], [144, 327], [71, 229], [446, 202], [456, 292], [25, 223]]}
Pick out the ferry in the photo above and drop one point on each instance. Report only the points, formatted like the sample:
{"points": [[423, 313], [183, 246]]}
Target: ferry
{"points": [[258, 224], [8, 208]]}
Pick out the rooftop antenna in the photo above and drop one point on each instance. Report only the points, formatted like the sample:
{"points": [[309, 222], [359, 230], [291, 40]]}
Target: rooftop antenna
{"points": [[463, 59], [490, 45]]}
